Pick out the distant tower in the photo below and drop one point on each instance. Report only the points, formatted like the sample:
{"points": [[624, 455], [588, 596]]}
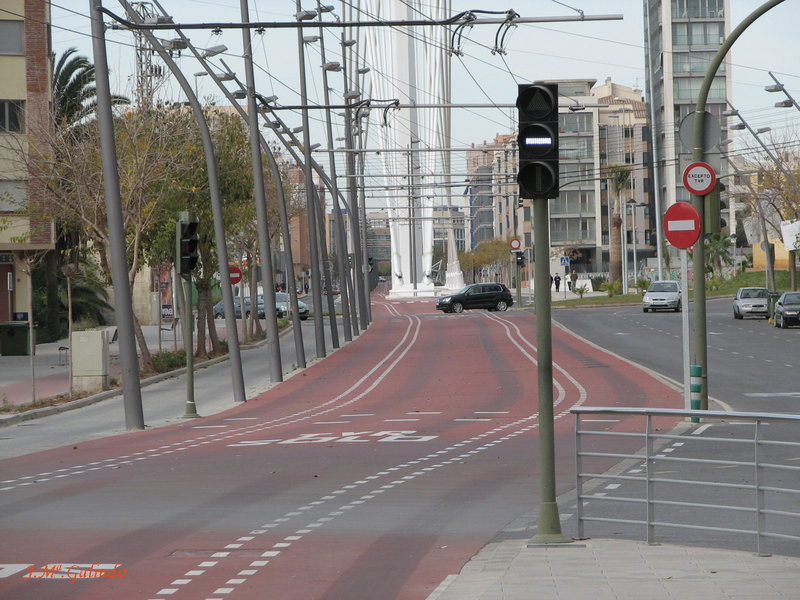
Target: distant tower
{"points": [[149, 76]]}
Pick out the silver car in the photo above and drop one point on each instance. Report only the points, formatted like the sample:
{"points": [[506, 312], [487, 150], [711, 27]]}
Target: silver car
{"points": [[662, 295], [751, 302]]}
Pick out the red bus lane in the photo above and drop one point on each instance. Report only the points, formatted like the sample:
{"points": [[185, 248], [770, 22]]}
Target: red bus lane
{"points": [[373, 474]]}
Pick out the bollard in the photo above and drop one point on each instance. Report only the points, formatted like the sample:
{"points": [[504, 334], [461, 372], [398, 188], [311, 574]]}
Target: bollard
{"points": [[696, 386]]}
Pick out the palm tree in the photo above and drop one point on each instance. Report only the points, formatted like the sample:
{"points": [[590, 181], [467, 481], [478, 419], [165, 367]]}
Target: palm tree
{"points": [[74, 102], [718, 253], [74, 92], [618, 176]]}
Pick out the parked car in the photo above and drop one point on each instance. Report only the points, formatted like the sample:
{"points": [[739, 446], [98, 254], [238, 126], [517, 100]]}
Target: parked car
{"points": [[751, 302], [283, 304], [662, 295], [491, 296], [787, 310], [219, 308]]}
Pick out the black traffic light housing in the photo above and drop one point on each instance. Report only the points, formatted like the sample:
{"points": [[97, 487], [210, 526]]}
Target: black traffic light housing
{"points": [[520, 258], [537, 141], [187, 239]]}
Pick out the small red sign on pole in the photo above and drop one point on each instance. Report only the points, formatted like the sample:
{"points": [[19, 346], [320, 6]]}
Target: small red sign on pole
{"points": [[681, 225], [236, 274]]}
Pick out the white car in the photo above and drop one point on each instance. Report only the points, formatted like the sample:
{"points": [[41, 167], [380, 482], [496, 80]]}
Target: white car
{"points": [[662, 295]]}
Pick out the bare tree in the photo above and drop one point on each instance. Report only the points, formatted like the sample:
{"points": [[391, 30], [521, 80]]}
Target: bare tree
{"points": [[149, 149]]}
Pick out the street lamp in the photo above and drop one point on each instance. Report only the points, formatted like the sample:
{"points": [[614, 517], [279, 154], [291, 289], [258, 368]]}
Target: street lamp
{"points": [[213, 51], [196, 75]]}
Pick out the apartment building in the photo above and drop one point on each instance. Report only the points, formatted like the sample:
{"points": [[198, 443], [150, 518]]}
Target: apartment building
{"points": [[25, 102]]}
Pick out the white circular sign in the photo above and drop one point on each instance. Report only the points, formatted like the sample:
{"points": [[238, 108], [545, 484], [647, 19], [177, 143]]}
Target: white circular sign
{"points": [[699, 178], [516, 244]]}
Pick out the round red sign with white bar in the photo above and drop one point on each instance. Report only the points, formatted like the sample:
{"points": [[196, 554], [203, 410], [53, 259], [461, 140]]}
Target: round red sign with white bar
{"points": [[681, 225]]}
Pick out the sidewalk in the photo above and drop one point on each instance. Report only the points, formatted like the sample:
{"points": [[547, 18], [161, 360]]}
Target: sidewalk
{"points": [[51, 368], [606, 569]]}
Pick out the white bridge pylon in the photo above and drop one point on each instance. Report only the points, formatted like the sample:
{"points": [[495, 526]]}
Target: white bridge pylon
{"points": [[413, 67]]}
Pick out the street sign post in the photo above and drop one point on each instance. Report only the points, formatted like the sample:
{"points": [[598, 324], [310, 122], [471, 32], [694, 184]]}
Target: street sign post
{"points": [[699, 178], [236, 274], [682, 225]]}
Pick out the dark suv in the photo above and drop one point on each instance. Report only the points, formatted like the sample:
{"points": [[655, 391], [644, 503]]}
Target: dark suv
{"points": [[492, 296]]}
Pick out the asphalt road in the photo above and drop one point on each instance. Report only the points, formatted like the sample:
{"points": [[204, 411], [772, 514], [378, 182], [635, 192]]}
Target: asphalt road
{"points": [[752, 368], [373, 474], [752, 365]]}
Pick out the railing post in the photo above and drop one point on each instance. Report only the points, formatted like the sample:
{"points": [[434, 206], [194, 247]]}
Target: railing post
{"points": [[578, 478], [648, 478], [760, 519]]}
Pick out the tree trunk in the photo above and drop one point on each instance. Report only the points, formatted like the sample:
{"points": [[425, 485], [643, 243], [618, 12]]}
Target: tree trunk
{"points": [[53, 302], [146, 360], [615, 245]]}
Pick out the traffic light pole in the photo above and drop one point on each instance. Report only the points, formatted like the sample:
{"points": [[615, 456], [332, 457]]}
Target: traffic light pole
{"points": [[548, 527], [188, 345]]}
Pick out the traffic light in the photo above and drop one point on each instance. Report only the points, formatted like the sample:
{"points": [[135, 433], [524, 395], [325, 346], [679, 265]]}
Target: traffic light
{"points": [[520, 258], [713, 207], [537, 105], [187, 239]]}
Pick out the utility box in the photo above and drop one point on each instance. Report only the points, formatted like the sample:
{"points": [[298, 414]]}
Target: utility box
{"points": [[90, 360], [15, 339]]}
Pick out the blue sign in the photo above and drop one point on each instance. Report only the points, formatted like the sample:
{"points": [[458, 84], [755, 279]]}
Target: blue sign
{"points": [[565, 261]]}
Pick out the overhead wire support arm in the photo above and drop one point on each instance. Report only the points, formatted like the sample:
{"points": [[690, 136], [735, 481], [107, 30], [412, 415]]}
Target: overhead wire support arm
{"points": [[463, 18]]}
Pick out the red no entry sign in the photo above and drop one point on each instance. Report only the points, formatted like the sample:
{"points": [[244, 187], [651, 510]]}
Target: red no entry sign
{"points": [[699, 178], [681, 225], [236, 274]]}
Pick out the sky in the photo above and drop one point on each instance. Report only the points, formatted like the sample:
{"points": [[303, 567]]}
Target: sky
{"points": [[560, 50]]}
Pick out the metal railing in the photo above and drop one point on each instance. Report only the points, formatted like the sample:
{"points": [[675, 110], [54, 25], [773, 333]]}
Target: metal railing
{"points": [[762, 480]]}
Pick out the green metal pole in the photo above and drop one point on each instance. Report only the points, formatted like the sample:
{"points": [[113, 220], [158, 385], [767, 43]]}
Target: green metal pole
{"points": [[188, 345], [548, 529], [698, 258]]}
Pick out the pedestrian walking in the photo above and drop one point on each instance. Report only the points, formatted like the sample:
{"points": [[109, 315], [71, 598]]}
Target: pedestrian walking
{"points": [[557, 281], [573, 279]]}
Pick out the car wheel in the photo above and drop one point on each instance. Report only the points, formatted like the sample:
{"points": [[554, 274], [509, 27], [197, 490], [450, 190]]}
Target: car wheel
{"points": [[784, 325], [678, 308], [644, 309], [775, 320], [501, 305], [736, 314], [218, 315], [457, 307]]}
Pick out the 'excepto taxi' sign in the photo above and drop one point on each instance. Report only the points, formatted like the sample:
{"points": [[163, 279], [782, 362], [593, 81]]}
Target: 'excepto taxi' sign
{"points": [[699, 178]]}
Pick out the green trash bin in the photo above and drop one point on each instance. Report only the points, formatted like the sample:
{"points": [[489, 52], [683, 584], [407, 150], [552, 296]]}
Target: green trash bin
{"points": [[14, 339]]}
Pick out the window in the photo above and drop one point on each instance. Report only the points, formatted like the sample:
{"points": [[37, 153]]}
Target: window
{"points": [[11, 37], [575, 122], [11, 116], [12, 195]]}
